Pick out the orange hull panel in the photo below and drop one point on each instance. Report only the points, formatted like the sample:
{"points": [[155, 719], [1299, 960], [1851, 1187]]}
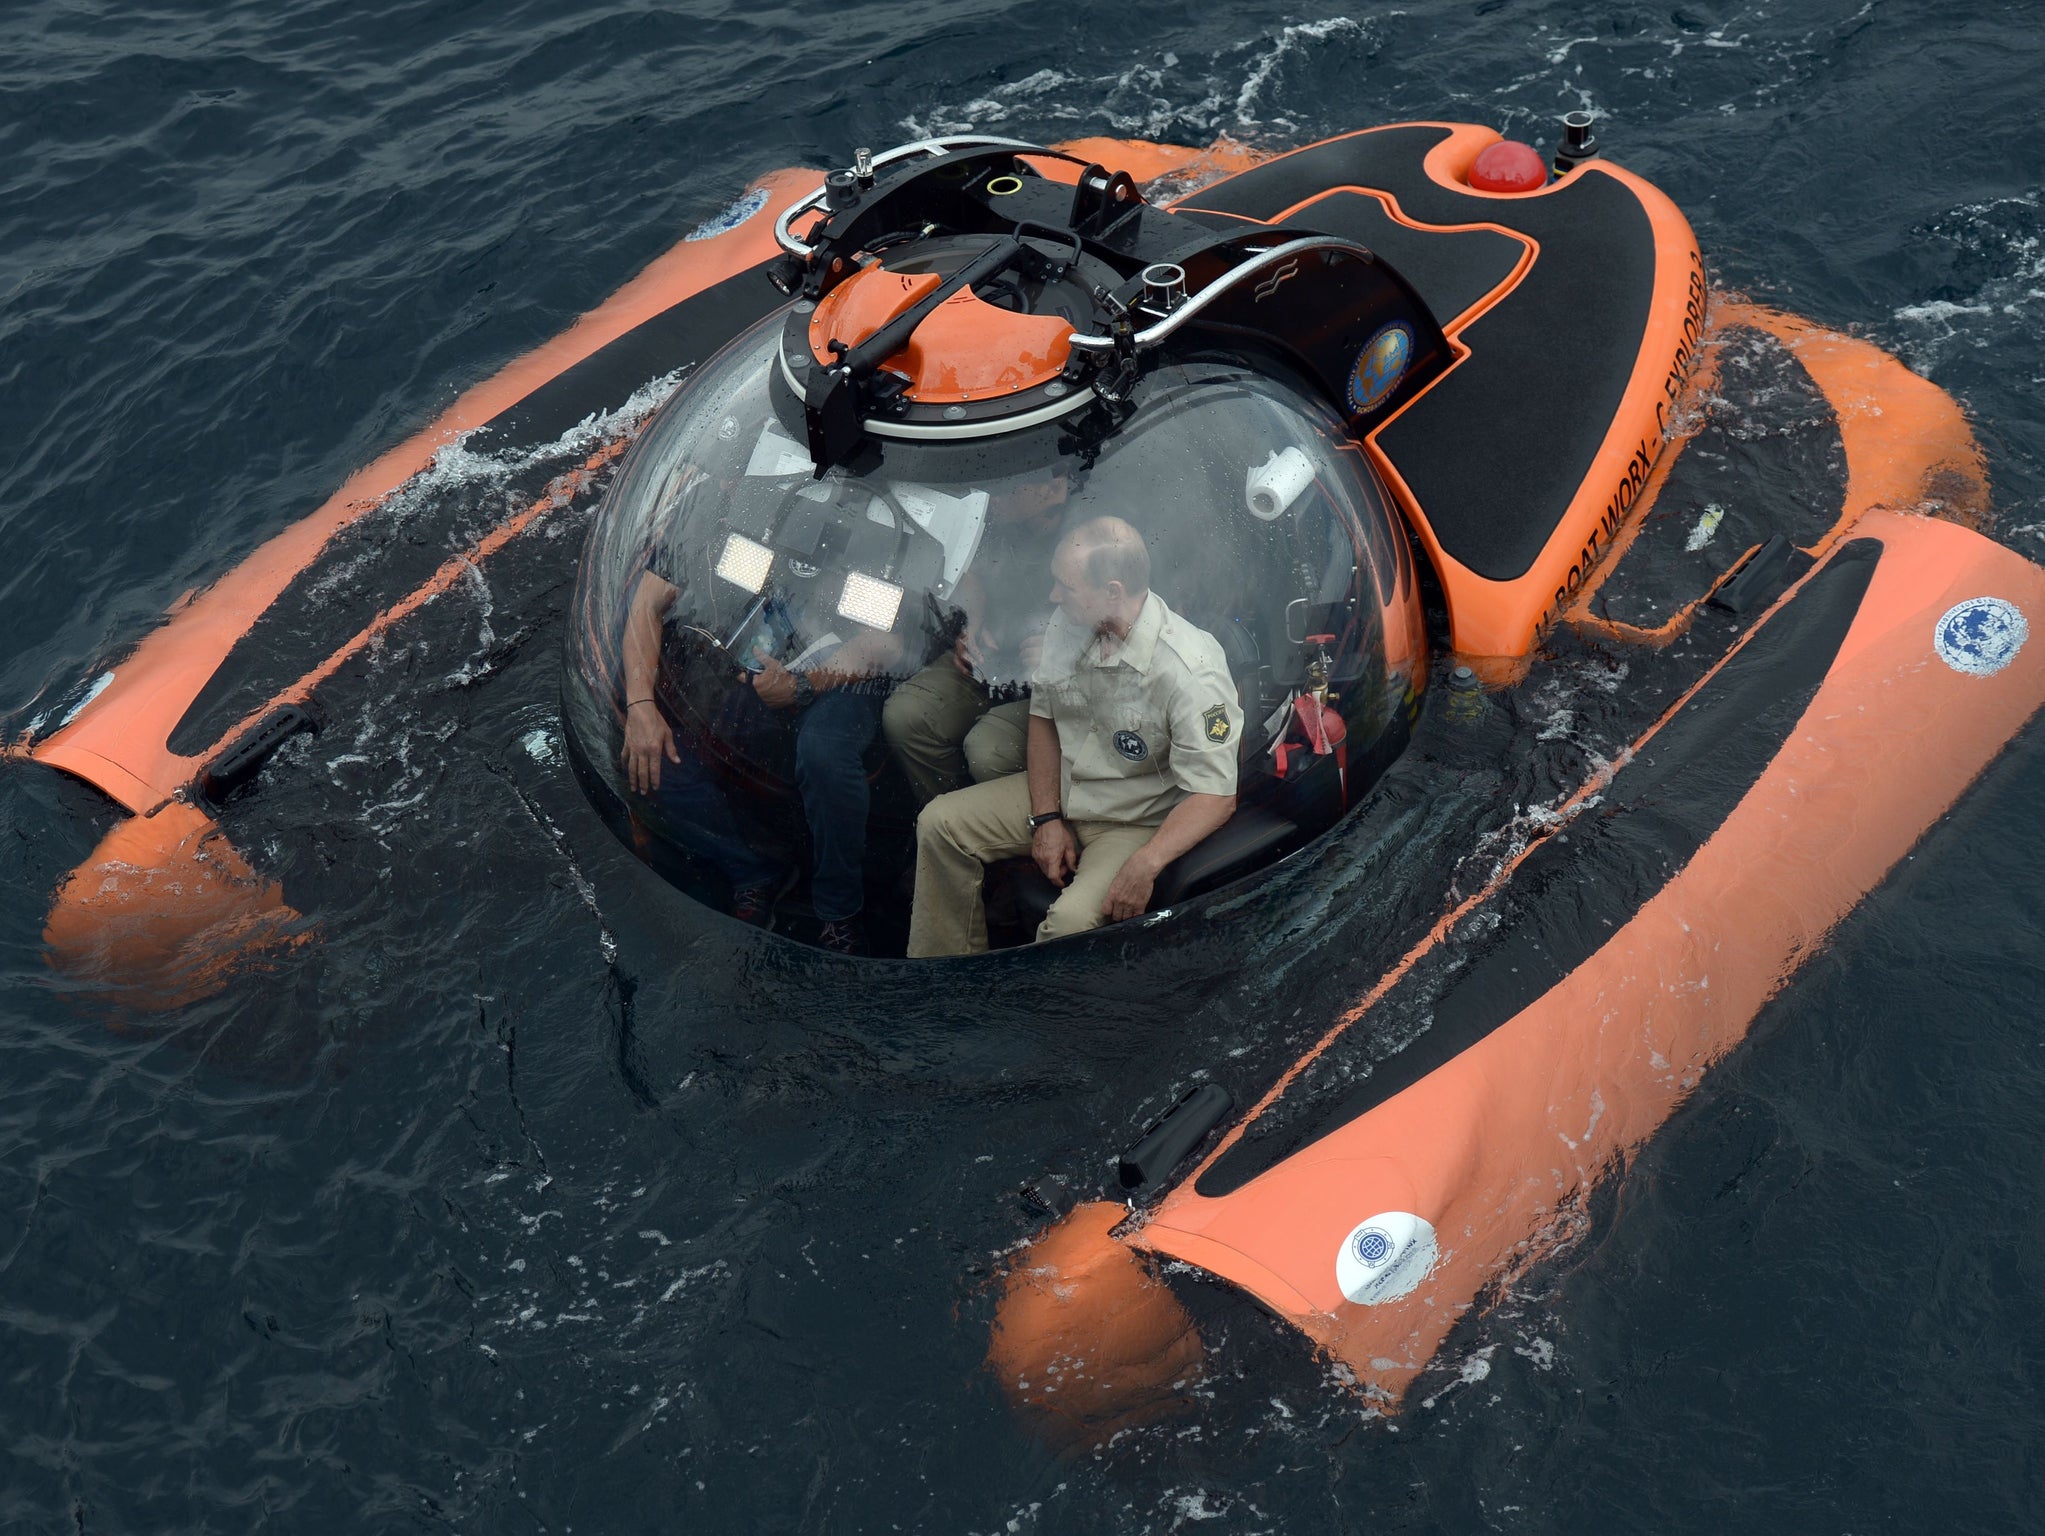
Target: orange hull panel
{"points": [[162, 912]]}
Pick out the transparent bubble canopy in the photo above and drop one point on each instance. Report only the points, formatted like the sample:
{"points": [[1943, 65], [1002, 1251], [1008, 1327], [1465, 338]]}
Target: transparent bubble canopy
{"points": [[723, 573]]}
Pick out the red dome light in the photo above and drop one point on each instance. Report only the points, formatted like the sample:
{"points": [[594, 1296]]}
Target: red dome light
{"points": [[1509, 167]]}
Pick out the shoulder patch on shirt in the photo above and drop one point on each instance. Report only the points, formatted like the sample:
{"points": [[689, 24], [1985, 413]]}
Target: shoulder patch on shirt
{"points": [[1216, 722]]}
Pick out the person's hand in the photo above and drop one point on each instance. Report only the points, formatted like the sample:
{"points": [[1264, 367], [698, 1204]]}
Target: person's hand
{"points": [[775, 684], [1056, 851], [969, 652], [1030, 652], [1129, 892], [647, 740]]}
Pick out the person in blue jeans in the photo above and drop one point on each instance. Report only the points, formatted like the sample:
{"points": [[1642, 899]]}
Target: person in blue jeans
{"points": [[839, 693]]}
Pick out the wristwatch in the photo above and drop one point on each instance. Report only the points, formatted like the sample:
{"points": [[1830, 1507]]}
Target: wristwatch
{"points": [[1046, 819], [805, 691]]}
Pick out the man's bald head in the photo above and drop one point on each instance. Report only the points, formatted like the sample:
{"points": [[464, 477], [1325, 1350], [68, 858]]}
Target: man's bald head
{"points": [[1111, 550], [1102, 569]]}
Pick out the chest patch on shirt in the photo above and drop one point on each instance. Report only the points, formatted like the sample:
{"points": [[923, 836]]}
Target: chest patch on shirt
{"points": [[1216, 722], [1133, 746]]}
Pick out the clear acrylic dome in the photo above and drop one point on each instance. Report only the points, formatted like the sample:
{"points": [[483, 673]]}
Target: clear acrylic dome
{"points": [[719, 554]]}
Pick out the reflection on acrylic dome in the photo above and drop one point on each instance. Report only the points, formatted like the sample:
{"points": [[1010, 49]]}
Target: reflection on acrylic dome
{"points": [[723, 571]]}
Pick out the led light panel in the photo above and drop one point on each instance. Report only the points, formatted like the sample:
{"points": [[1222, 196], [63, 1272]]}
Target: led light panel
{"points": [[744, 563], [870, 601]]}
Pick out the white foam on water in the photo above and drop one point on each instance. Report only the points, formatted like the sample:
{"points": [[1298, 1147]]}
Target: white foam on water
{"points": [[2003, 237], [479, 665], [1033, 95], [1476, 1368], [461, 466], [1161, 96], [1941, 310], [1194, 1506], [99, 686], [1292, 41], [1497, 849], [731, 218], [585, 889], [688, 1276], [1560, 52], [398, 746]]}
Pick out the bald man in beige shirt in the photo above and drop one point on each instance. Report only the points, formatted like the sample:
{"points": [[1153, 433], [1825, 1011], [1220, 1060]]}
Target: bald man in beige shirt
{"points": [[1133, 734]]}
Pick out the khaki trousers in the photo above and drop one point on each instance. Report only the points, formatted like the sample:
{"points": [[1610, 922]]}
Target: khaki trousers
{"points": [[945, 736], [960, 834]]}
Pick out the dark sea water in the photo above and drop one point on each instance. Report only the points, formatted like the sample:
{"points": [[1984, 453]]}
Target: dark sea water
{"points": [[531, 1199]]}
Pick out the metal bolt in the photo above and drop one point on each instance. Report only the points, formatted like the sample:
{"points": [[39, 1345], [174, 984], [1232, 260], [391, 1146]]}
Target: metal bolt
{"points": [[955, 413], [1055, 389]]}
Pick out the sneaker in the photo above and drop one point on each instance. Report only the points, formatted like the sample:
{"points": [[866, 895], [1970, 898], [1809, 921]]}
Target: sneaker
{"points": [[753, 905], [844, 937]]}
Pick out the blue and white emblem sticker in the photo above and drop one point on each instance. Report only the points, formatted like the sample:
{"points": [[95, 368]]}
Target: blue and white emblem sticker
{"points": [[1385, 1257], [1980, 636], [1379, 367], [1131, 746]]}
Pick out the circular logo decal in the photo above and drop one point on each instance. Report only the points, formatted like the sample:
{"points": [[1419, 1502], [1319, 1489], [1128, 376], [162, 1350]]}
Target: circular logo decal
{"points": [[1980, 636], [1131, 746], [1379, 367], [1385, 1257], [1372, 1246]]}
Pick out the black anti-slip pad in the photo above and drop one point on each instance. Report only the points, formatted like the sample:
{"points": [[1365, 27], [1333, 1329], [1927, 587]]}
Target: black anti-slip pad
{"points": [[1452, 268], [1497, 450], [1574, 891]]}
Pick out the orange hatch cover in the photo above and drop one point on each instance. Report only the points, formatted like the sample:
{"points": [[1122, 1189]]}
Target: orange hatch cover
{"points": [[966, 350]]}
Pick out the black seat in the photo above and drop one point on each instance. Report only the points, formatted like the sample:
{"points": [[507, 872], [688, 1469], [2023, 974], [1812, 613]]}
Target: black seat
{"points": [[1255, 836], [1033, 893], [1252, 838]]}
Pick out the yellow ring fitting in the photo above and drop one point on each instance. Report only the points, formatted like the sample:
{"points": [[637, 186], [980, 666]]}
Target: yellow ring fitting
{"points": [[1004, 186]]}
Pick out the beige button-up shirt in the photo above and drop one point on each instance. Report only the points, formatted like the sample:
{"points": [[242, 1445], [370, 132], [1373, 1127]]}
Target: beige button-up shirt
{"points": [[1153, 722]]}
